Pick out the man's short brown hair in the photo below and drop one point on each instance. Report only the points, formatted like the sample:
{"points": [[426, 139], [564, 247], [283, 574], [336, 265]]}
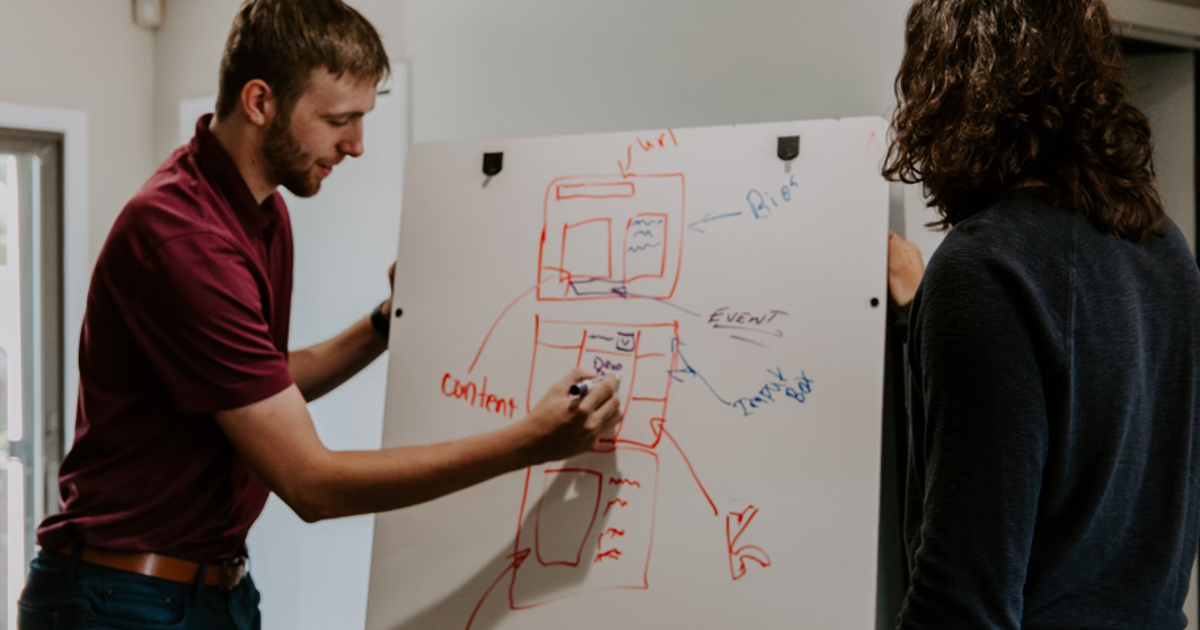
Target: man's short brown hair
{"points": [[283, 41]]}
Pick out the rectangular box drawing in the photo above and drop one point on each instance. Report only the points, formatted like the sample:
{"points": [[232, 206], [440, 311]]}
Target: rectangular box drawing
{"points": [[611, 237], [585, 260], [615, 553], [645, 254], [561, 533], [594, 191], [641, 355]]}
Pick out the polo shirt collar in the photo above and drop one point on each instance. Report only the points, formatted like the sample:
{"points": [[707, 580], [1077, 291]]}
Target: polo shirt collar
{"points": [[223, 173]]}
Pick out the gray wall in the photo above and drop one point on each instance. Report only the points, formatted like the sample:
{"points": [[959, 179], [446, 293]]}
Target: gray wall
{"points": [[537, 67], [86, 55], [1164, 87], [541, 67]]}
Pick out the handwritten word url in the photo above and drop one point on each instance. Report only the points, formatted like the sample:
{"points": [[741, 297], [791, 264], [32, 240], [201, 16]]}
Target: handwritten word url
{"points": [[780, 388], [477, 396]]}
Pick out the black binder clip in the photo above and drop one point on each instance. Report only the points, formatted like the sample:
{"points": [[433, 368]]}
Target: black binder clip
{"points": [[789, 149], [493, 163]]}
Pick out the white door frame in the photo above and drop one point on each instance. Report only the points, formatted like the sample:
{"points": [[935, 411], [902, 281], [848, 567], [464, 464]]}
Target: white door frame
{"points": [[73, 125]]}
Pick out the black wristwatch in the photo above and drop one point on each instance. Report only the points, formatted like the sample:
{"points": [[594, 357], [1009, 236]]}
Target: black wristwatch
{"points": [[381, 322]]}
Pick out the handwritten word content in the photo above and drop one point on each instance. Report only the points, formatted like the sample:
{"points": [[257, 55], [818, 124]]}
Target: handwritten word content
{"points": [[478, 396], [763, 203], [776, 390]]}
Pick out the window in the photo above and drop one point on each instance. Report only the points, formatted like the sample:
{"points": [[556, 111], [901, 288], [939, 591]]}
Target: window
{"points": [[30, 347], [4, 212]]}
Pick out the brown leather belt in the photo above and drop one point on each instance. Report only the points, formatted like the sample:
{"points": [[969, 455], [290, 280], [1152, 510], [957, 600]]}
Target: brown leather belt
{"points": [[226, 575]]}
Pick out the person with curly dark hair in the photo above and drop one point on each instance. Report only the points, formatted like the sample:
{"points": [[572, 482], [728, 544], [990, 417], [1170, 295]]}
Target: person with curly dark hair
{"points": [[1055, 338]]}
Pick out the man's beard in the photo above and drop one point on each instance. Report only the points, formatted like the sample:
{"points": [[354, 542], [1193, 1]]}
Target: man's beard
{"points": [[286, 161]]}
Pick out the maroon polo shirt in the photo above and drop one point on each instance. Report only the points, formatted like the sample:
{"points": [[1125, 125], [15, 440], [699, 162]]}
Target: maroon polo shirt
{"points": [[187, 314]]}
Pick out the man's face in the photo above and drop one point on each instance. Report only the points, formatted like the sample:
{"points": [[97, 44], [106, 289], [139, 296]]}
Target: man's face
{"points": [[324, 127]]}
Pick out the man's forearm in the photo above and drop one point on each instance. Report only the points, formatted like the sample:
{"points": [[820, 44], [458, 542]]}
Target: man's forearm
{"points": [[363, 482], [319, 369], [277, 438]]}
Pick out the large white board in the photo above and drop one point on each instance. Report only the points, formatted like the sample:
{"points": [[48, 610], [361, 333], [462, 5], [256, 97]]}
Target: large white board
{"points": [[741, 299]]}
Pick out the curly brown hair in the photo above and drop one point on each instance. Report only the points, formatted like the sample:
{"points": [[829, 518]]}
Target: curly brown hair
{"points": [[994, 94]]}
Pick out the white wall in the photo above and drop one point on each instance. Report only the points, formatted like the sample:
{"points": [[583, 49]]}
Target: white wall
{"points": [[86, 55], [538, 67], [80, 68], [542, 67]]}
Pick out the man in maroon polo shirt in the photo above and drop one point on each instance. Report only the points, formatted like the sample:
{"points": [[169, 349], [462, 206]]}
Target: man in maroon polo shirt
{"points": [[191, 408]]}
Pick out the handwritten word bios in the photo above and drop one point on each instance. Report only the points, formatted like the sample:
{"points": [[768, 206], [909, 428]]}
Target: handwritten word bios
{"points": [[478, 396], [762, 204], [776, 390]]}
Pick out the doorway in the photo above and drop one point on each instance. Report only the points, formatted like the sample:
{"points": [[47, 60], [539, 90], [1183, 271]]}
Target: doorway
{"points": [[1163, 84], [31, 334]]}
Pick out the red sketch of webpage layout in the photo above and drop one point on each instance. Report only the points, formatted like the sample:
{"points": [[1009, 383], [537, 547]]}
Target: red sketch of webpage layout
{"points": [[594, 515], [641, 355], [611, 236], [593, 527], [588, 524]]}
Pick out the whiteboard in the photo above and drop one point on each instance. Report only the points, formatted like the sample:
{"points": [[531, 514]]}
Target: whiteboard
{"points": [[741, 300]]}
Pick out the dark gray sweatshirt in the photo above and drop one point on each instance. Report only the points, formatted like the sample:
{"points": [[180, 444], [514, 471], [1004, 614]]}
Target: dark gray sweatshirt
{"points": [[1053, 442]]}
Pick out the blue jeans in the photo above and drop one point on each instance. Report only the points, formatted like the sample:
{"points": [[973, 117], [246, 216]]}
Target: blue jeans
{"points": [[65, 594]]}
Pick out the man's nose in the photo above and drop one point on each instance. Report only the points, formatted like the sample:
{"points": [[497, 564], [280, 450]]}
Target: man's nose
{"points": [[353, 145]]}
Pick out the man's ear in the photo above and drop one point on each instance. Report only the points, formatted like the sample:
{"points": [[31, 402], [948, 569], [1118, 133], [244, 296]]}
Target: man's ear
{"points": [[258, 101]]}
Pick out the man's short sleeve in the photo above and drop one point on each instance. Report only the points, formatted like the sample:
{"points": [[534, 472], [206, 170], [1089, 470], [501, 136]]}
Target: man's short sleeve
{"points": [[196, 310]]}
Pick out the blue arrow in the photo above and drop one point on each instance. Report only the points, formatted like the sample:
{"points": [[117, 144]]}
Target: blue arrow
{"points": [[689, 370], [708, 218]]}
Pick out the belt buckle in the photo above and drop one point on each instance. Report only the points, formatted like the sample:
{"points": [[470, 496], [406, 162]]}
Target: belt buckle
{"points": [[232, 573]]}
